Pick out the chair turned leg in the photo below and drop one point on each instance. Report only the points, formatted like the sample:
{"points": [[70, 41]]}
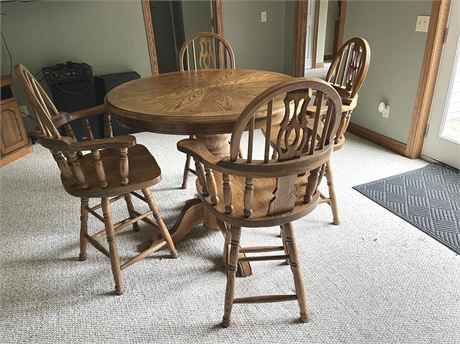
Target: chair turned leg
{"points": [[132, 215], [114, 258], [228, 237], [285, 245], [161, 225], [186, 172], [231, 274], [295, 267], [83, 228], [332, 195]]}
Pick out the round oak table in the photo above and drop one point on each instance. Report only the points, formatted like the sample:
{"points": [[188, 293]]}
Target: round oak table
{"points": [[204, 103]]}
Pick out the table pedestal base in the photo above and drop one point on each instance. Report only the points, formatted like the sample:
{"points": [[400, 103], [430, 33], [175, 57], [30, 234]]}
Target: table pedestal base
{"points": [[194, 213]]}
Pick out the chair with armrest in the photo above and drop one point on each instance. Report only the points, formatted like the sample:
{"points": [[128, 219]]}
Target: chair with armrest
{"points": [[114, 168], [204, 50], [346, 74], [259, 191]]}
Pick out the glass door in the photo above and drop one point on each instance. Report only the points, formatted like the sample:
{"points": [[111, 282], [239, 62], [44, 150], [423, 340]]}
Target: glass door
{"points": [[442, 142]]}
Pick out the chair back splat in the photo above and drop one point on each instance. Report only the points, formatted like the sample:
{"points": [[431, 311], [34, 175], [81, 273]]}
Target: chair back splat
{"points": [[349, 68], [206, 50]]}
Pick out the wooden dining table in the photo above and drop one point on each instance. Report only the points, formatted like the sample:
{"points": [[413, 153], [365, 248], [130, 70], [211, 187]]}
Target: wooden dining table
{"points": [[203, 103]]}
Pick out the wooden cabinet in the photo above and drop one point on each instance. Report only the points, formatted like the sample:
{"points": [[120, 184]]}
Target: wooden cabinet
{"points": [[14, 142]]}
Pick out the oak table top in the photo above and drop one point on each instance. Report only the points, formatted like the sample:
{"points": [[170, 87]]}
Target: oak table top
{"points": [[191, 102]]}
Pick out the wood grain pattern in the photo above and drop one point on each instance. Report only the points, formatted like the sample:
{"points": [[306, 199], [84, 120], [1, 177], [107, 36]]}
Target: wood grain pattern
{"points": [[341, 29], [300, 37], [14, 142], [218, 25], [190, 103], [150, 37], [15, 155]]}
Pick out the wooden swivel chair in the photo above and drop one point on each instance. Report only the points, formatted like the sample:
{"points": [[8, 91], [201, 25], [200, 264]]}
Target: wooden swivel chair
{"points": [[346, 74], [115, 168], [258, 191], [204, 50]]}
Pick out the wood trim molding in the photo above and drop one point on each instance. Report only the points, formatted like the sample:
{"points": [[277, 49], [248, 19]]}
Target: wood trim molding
{"points": [[300, 37], [150, 37], [218, 25], [315, 35], [343, 16], [15, 155], [428, 76], [218, 17], [377, 138]]}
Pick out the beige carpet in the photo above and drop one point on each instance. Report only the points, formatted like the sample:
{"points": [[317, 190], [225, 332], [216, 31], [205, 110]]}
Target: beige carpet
{"points": [[373, 279]]}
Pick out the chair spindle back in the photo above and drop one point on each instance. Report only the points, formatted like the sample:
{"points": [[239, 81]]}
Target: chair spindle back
{"points": [[206, 50], [57, 134], [349, 68], [305, 153]]}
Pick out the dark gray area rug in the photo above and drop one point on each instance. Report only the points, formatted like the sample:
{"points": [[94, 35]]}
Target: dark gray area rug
{"points": [[428, 198]]}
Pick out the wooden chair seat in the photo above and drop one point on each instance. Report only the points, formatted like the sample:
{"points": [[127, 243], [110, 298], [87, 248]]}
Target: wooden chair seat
{"points": [[263, 194], [143, 173]]}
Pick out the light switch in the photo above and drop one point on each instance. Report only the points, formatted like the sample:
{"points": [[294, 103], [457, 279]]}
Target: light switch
{"points": [[263, 16], [422, 23]]}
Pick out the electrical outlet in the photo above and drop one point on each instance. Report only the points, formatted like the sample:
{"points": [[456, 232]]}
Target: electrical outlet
{"points": [[422, 23], [386, 112], [263, 17], [384, 109]]}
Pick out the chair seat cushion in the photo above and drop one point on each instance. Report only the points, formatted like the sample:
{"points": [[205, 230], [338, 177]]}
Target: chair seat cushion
{"points": [[143, 172]]}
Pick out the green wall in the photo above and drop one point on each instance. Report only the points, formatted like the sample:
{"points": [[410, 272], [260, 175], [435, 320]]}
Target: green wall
{"points": [[396, 59], [108, 35], [256, 45], [197, 17]]}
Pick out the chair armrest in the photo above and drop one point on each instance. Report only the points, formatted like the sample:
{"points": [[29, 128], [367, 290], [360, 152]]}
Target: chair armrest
{"points": [[96, 110], [124, 141], [66, 117], [198, 151], [60, 144]]}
